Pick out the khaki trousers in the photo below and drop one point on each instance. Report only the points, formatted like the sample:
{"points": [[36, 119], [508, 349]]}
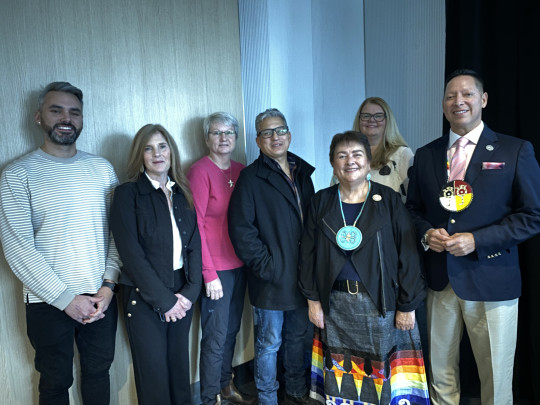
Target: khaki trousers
{"points": [[492, 330]]}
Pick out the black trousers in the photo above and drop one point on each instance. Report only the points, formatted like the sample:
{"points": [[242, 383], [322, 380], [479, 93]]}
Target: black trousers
{"points": [[220, 323], [52, 333], [160, 350]]}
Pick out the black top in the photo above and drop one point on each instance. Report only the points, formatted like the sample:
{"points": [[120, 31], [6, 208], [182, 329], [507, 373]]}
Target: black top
{"points": [[348, 272]]}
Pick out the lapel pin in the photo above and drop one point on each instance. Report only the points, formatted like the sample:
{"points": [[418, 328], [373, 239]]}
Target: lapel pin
{"points": [[377, 197], [489, 147]]}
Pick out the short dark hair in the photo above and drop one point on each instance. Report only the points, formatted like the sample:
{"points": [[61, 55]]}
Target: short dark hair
{"points": [[348, 137], [64, 87], [466, 72]]}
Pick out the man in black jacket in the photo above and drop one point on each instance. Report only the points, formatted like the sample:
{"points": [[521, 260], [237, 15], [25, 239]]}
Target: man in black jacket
{"points": [[266, 215]]}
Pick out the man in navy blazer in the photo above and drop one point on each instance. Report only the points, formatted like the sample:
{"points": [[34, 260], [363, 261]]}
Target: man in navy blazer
{"points": [[470, 252]]}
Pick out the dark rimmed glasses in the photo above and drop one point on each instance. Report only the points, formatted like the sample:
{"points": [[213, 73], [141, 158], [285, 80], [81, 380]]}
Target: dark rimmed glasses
{"points": [[269, 133], [377, 116]]}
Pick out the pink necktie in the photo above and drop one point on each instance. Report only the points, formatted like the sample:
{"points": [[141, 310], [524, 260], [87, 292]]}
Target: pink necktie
{"points": [[459, 160]]}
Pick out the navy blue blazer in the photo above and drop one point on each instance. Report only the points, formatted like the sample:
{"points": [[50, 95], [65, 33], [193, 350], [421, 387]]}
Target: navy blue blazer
{"points": [[504, 212]]}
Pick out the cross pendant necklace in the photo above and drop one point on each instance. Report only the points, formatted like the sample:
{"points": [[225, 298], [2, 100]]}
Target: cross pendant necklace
{"points": [[230, 182]]}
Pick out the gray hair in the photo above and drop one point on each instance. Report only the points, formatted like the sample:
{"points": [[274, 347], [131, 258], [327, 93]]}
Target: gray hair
{"points": [[220, 118], [269, 113], [64, 87]]}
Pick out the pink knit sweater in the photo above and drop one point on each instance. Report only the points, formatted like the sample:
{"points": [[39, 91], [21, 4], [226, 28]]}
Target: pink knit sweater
{"points": [[211, 194]]}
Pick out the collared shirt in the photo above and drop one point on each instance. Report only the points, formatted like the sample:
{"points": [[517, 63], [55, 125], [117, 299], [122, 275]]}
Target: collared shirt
{"points": [[473, 138], [291, 181], [178, 261]]}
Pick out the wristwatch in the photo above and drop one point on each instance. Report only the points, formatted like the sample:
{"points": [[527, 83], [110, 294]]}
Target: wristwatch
{"points": [[424, 242], [112, 286]]}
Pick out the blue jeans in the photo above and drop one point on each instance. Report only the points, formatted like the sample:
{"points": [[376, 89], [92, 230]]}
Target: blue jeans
{"points": [[220, 323], [51, 333], [273, 327]]}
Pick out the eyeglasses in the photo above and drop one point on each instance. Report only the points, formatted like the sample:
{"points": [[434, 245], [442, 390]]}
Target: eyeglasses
{"points": [[228, 133], [377, 117], [269, 133]]}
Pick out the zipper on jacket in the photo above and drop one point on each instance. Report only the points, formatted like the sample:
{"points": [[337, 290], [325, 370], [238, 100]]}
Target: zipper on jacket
{"points": [[383, 298], [331, 230], [335, 234]]}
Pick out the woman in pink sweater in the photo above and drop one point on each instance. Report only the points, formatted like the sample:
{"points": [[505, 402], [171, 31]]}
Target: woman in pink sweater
{"points": [[212, 180]]}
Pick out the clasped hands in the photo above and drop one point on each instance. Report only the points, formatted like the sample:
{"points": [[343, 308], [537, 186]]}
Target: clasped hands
{"points": [[459, 244], [178, 311], [86, 309]]}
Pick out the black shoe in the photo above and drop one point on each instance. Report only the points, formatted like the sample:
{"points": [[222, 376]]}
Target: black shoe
{"points": [[290, 400], [231, 394]]}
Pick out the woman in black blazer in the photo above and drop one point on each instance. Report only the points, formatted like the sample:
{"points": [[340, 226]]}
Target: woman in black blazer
{"points": [[361, 275], [155, 231]]}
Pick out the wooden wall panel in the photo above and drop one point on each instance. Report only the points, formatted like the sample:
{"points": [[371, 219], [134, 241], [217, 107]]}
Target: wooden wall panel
{"points": [[137, 61]]}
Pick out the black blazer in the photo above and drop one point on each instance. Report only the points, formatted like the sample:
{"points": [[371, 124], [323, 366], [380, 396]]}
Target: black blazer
{"points": [[386, 260], [142, 230], [505, 211], [265, 226]]}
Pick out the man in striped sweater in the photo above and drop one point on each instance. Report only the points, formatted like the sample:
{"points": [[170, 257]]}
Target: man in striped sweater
{"points": [[54, 229]]}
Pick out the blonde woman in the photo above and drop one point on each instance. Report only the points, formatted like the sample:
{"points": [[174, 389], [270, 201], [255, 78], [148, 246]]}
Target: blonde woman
{"points": [[391, 155]]}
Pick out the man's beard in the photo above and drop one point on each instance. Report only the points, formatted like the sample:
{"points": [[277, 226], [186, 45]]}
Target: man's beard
{"points": [[63, 139]]}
